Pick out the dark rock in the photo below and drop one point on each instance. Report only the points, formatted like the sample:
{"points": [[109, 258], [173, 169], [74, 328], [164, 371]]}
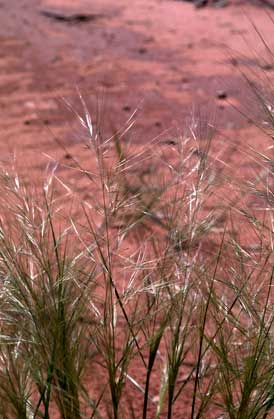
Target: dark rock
{"points": [[234, 61], [171, 141], [221, 94], [70, 18], [268, 67], [126, 108], [200, 3], [142, 50]]}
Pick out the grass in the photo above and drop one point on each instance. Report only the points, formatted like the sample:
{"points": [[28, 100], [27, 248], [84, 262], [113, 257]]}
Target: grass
{"points": [[150, 303]]}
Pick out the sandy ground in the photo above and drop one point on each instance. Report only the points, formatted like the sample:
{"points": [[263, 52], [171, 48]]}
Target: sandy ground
{"points": [[164, 57]]}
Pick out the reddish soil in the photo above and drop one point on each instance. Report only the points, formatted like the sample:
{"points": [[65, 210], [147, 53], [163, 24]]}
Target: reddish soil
{"points": [[164, 57]]}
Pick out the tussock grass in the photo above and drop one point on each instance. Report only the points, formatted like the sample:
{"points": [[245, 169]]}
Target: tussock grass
{"points": [[148, 300]]}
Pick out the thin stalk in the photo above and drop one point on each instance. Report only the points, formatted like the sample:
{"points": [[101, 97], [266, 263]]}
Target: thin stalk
{"points": [[153, 349], [202, 332]]}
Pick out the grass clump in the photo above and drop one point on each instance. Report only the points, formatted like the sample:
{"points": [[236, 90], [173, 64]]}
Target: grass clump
{"points": [[147, 304]]}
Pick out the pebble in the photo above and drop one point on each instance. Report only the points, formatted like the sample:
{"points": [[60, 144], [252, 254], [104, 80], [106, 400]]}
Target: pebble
{"points": [[221, 94]]}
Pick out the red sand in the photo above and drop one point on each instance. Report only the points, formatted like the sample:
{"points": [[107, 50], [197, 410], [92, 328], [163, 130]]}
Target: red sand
{"points": [[165, 57]]}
